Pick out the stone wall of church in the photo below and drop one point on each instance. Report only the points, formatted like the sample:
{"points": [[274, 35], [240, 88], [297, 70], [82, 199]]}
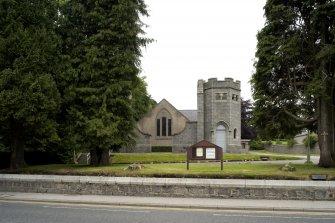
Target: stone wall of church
{"points": [[235, 120], [143, 144], [185, 139], [200, 111]]}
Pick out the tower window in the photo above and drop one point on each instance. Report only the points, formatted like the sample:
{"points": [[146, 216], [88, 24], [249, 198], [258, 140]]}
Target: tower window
{"points": [[234, 97], [221, 96], [235, 133]]}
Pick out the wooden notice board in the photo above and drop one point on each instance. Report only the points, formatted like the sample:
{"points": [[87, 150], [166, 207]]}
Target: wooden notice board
{"points": [[204, 150]]}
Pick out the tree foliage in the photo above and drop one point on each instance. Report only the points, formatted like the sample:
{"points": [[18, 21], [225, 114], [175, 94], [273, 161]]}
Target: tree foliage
{"points": [[141, 100], [29, 56], [70, 71], [294, 79], [247, 130], [311, 140]]}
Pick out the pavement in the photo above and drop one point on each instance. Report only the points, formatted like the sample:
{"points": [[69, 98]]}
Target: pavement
{"points": [[170, 202]]}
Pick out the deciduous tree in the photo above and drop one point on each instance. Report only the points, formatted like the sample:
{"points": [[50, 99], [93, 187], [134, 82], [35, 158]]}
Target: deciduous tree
{"points": [[294, 79]]}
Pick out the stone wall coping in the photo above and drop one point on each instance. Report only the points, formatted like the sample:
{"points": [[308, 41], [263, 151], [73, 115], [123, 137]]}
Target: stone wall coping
{"points": [[241, 183]]}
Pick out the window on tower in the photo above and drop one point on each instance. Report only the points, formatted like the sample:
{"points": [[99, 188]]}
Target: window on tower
{"points": [[221, 96], [234, 97]]}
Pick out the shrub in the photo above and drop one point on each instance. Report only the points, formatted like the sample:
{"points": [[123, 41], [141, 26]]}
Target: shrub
{"points": [[279, 142], [291, 142], [161, 149], [256, 145], [313, 139]]}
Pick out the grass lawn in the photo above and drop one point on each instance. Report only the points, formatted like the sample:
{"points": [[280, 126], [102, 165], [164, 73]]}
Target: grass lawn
{"points": [[197, 170], [127, 158], [173, 165]]}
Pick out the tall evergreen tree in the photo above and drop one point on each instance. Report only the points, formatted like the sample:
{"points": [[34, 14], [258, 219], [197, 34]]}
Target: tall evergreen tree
{"points": [[247, 130], [102, 43], [295, 71], [28, 61]]}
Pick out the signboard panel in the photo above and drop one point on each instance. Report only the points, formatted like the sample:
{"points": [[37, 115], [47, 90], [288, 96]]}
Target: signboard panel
{"points": [[210, 153], [200, 152]]}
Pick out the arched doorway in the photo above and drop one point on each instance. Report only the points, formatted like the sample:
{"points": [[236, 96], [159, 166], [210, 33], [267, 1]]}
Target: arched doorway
{"points": [[221, 137]]}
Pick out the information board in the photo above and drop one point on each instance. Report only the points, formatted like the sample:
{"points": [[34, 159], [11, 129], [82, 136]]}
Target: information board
{"points": [[204, 150]]}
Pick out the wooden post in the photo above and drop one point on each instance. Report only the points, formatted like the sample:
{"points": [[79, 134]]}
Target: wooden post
{"points": [[188, 158], [308, 147]]}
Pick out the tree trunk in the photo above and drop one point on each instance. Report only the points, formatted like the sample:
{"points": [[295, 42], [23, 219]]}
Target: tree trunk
{"points": [[105, 159], [325, 133], [325, 121], [94, 157], [17, 145]]}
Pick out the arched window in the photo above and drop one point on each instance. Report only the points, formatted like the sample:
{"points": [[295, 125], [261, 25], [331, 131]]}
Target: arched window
{"points": [[164, 124], [235, 133]]}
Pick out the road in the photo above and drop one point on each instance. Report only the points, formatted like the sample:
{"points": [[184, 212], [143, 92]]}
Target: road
{"points": [[22, 212]]}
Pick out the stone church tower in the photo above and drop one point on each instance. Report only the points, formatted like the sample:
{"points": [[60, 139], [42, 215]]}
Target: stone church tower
{"points": [[219, 113]]}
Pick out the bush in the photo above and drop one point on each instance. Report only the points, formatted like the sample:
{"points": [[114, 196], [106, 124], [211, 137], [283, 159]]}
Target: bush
{"points": [[256, 145], [291, 142], [313, 139], [161, 149], [279, 142]]}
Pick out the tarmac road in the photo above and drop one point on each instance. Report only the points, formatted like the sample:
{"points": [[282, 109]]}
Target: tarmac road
{"points": [[17, 212]]}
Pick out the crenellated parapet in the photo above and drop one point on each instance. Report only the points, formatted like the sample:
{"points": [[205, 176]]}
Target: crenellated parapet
{"points": [[226, 83]]}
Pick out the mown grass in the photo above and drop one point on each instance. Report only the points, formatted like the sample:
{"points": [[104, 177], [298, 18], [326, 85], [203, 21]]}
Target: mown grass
{"points": [[197, 170], [127, 158]]}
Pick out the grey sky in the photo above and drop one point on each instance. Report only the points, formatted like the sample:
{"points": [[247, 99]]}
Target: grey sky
{"points": [[197, 39]]}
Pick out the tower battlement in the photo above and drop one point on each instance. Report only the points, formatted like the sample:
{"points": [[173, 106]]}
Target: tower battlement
{"points": [[226, 83]]}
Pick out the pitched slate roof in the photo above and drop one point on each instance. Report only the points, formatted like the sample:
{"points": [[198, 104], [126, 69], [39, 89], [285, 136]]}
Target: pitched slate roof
{"points": [[191, 115]]}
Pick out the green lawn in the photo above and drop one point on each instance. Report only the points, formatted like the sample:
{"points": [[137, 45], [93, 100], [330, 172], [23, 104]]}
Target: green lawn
{"points": [[197, 170], [173, 165], [127, 158]]}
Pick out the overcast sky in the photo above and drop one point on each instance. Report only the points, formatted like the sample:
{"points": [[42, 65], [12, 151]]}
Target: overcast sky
{"points": [[196, 39]]}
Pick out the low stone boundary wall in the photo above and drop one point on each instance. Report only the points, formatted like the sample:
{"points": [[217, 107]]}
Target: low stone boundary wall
{"points": [[170, 187]]}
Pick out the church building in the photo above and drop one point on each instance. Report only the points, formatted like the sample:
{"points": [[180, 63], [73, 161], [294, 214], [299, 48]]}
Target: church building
{"points": [[217, 120]]}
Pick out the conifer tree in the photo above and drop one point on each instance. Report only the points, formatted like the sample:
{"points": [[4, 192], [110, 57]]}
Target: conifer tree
{"points": [[102, 41], [29, 55]]}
